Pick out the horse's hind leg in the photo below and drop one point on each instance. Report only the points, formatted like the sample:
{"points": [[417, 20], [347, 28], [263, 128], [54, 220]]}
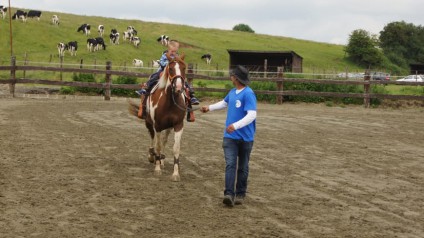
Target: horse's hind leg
{"points": [[177, 144], [158, 149], [151, 155]]}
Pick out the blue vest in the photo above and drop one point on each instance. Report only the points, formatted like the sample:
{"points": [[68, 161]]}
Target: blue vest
{"points": [[237, 107]]}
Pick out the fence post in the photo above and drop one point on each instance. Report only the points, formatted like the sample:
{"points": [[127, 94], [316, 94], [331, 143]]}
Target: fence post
{"points": [[108, 79], [51, 58], [25, 63], [81, 62], [12, 76], [265, 67], [367, 78], [190, 75], [280, 75], [61, 66]]}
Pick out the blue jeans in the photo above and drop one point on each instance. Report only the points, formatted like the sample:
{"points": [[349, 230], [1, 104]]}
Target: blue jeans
{"points": [[236, 174]]}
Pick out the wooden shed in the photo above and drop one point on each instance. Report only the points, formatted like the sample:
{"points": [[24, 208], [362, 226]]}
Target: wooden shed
{"points": [[268, 61], [416, 68]]}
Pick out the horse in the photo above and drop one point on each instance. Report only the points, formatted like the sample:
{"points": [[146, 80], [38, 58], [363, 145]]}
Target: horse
{"points": [[166, 109]]}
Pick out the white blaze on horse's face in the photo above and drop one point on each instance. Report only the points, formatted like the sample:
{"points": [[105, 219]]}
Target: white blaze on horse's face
{"points": [[178, 82]]}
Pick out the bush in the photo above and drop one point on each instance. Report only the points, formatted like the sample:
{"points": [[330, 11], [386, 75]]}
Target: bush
{"points": [[124, 92], [88, 78], [243, 27], [269, 86]]}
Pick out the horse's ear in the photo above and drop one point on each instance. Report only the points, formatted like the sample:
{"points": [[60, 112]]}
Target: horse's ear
{"points": [[182, 56]]}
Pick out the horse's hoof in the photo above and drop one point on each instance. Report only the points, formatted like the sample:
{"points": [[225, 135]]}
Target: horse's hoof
{"points": [[151, 159], [158, 172], [176, 178]]}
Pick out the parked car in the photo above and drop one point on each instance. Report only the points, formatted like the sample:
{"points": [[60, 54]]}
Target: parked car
{"points": [[412, 78], [380, 76]]}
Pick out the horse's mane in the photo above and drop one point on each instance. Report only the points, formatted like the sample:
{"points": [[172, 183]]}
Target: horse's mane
{"points": [[163, 80]]}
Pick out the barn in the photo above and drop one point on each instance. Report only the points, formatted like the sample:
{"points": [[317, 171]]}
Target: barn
{"points": [[268, 61], [416, 68]]}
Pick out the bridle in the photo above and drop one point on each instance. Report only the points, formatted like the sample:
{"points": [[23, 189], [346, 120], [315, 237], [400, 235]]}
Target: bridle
{"points": [[173, 80]]}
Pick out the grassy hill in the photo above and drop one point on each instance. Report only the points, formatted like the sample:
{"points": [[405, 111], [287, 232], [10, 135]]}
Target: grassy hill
{"points": [[39, 40]]}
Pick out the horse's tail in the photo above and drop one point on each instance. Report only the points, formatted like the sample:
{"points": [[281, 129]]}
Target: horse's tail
{"points": [[133, 108]]}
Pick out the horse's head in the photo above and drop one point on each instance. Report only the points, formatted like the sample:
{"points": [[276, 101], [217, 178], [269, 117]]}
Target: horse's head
{"points": [[176, 73]]}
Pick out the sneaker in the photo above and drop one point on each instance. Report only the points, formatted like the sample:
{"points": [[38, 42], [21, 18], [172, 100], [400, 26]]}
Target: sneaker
{"points": [[141, 92], [239, 200], [228, 200], [194, 101]]}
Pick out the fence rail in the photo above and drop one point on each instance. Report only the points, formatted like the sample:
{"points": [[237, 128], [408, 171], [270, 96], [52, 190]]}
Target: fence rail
{"points": [[279, 79]]}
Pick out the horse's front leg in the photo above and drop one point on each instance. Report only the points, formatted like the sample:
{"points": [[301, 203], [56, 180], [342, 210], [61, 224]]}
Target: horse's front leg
{"points": [[164, 141], [177, 144], [158, 149]]}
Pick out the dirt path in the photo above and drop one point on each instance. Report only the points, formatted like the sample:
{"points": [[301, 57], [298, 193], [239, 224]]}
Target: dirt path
{"points": [[78, 168]]}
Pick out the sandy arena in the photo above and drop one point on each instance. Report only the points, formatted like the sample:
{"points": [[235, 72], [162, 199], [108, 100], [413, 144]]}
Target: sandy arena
{"points": [[78, 168]]}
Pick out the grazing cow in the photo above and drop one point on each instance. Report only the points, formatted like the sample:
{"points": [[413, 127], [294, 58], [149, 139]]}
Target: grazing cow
{"points": [[208, 58], [136, 41], [61, 47], [155, 63], [163, 39], [137, 63], [3, 11], [101, 30], [127, 36], [19, 14], [91, 45], [85, 28], [33, 13], [55, 20], [131, 30], [100, 43], [73, 47]]}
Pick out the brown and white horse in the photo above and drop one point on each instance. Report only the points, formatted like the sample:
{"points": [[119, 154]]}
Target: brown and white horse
{"points": [[166, 110]]}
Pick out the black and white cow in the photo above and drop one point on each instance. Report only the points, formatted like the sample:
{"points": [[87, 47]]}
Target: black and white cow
{"points": [[55, 20], [91, 44], [101, 30], [163, 39], [19, 14], [137, 63], [73, 47], [131, 30], [127, 36], [100, 43], [114, 37], [155, 63], [3, 11], [61, 47], [208, 58], [33, 13], [85, 28], [136, 41]]}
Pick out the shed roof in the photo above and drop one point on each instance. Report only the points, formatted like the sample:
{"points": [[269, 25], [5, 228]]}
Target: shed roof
{"points": [[230, 51]]}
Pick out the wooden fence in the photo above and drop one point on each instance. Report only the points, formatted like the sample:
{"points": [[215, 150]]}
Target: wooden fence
{"points": [[279, 80]]}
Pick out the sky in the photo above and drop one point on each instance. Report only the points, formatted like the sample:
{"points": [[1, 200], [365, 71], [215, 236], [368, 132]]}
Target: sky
{"points": [[329, 21]]}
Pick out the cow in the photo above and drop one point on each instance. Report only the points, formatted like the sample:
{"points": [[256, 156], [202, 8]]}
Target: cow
{"points": [[55, 20], [33, 13], [61, 47], [100, 43], [19, 14], [136, 41], [155, 63], [73, 47], [91, 44], [114, 38], [3, 11], [163, 39], [131, 30], [207, 57], [85, 28], [127, 36], [137, 63], [101, 30]]}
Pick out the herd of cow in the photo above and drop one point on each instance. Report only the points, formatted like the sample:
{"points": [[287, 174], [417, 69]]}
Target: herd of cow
{"points": [[97, 43]]}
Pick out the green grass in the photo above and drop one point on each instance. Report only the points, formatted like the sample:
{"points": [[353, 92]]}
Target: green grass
{"points": [[39, 40]]}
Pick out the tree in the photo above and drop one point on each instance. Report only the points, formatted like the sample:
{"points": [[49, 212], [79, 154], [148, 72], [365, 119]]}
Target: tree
{"points": [[403, 43], [243, 27], [363, 48]]}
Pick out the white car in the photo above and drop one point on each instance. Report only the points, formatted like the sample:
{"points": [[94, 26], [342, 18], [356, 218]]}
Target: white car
{"points": [[412, 78]]}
